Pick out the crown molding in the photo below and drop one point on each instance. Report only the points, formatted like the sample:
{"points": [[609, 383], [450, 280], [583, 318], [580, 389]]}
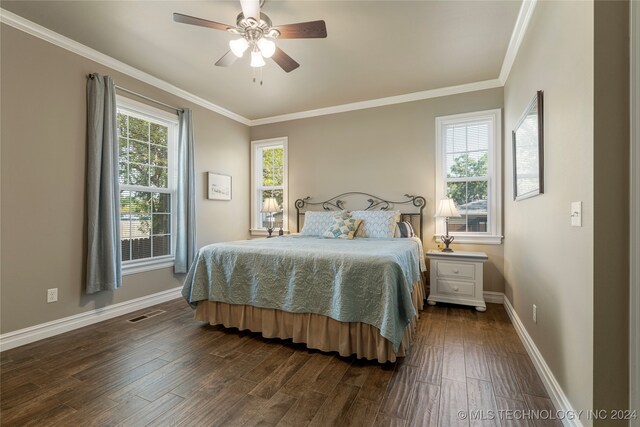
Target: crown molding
{"points": [[59, 40], [380, 102], [519, 30]]}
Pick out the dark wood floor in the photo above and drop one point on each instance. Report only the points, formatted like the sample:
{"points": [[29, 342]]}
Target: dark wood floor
{"points": [[171, 370]]}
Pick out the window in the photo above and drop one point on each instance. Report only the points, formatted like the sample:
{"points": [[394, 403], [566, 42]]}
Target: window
{"points": [[268, 179], [468, 171], [147, 138]]}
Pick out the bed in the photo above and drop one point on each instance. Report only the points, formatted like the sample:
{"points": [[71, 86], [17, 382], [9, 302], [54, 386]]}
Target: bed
{"points": [[356, 297]]}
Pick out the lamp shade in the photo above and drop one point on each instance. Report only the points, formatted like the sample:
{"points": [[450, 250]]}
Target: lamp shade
{"points": [[256, 59], [267, 47], [447, 209], [238, 46], [270, 205]]}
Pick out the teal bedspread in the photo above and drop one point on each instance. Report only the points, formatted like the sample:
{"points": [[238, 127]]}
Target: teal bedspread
{"points": [[359, 280]]}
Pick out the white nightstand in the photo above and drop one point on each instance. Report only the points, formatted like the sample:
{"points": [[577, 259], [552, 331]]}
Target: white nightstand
{"points": [[456, 278]]}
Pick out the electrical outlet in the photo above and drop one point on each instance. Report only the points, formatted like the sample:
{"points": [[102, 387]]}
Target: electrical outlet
{"points": [[52, 295], [535, 314]]}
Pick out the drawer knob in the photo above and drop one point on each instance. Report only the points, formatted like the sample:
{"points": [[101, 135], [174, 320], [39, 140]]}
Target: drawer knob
{"points": [[455, 289], [456, 271]]}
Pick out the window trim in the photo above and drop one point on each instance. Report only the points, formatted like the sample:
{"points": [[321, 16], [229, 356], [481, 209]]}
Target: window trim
{"points": [[148, 112], [493, 236], [255, 230]]}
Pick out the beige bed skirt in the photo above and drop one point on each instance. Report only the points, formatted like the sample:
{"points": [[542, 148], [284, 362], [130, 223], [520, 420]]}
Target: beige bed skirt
{"points": [[315, 330]]}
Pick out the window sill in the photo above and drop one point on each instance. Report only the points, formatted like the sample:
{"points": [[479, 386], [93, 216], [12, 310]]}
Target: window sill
{"points": [[142, 266], [473, 239], [263, 232]]}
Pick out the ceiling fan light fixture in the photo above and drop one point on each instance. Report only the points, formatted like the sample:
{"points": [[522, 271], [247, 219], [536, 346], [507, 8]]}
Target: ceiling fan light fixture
{"points": [[238, 46], [256, 59], [267, 47]]}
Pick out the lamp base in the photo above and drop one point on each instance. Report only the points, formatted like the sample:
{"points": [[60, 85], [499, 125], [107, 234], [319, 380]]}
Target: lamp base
{"points": [[270, 231], [447, 241]]}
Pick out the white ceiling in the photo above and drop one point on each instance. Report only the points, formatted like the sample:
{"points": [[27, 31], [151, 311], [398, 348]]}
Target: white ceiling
{"points": [[374, 49]]}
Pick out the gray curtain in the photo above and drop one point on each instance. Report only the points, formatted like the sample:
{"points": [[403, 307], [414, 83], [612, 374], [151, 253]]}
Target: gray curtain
{"points": [[186, 194], [103, 198]]}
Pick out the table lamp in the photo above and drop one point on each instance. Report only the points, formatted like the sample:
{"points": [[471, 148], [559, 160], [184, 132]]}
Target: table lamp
{"points": [[270, 206], [447, 209]]}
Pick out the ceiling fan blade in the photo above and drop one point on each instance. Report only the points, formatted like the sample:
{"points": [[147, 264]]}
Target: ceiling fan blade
{"points": [[228, 59], [303, 30], [251, 8], [285, 62], [192, 20]]}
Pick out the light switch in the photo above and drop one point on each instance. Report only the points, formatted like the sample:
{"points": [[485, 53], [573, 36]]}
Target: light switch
{"points": [[576, 214]]}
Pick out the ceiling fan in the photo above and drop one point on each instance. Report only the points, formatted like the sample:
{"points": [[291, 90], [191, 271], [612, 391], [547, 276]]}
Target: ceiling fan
{"points": [[257, 34]]}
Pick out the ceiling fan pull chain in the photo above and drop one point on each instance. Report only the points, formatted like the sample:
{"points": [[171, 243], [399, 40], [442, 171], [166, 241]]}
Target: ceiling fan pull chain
{"points": [[261, 76], [254, 74]]}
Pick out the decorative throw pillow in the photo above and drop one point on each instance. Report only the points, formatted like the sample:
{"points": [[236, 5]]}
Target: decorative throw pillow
{"points": [[343, 228], [317, 222], [405, 229], [377, 224]]}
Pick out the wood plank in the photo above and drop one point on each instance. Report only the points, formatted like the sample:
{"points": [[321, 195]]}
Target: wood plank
{"points": [[358, 372], [265, 368], [336, 407], [152, 411], [537, 403], [453, 399], [304, 410], [431, 333], [331, 375], [376, 383], [273, 410], [475, 362], [424, 405], [453, 364], [512, 405], [361, 414], [306, 376], [453, 333], [504, 381], [397, 400], [482, 402], [272, 384], [383, 420], [431, 365], [526, 375]]}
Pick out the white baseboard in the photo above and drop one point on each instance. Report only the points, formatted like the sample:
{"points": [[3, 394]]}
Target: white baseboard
{"points": [[494, 297], [45, 330], [558, 397]]}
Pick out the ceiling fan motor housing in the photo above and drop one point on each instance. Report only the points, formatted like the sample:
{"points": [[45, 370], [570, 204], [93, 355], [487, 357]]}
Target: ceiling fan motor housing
{"points": [[253, 30]]}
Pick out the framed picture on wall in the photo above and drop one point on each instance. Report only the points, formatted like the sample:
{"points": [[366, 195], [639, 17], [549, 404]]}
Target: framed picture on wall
{"points": [[528, 152], [219, 186]]}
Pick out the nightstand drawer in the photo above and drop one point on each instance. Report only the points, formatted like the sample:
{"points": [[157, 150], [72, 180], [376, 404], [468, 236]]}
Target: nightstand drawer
{"points": [[452, 287], [455, 270]]}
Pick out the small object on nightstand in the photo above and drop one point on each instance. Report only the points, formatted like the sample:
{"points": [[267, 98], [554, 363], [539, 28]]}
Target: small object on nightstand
{"points": [[270, 206], [447, 209], [456, 278]]}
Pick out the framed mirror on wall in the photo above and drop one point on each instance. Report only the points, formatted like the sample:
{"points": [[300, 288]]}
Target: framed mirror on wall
{"points": [[528, 151]]}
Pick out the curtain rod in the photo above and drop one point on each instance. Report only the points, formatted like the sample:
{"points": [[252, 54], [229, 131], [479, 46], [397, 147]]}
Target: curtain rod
{"points": [[139, 95]]}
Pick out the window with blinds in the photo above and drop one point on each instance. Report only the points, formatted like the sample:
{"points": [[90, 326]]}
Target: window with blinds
{"points": [[147, 141], [269, 179], [468, 150]]}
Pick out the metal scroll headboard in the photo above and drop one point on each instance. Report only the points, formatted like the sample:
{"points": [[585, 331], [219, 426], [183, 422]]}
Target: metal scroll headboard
{"points": [[375, 203]]}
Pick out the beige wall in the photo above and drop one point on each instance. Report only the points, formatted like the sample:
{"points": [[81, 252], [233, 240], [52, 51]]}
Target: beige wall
{"points": [[577, 277], [43, 108], [387, 151]]}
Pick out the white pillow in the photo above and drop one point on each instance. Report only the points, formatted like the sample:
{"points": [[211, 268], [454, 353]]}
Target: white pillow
{"points": [[376, 224], [317, 222]]}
